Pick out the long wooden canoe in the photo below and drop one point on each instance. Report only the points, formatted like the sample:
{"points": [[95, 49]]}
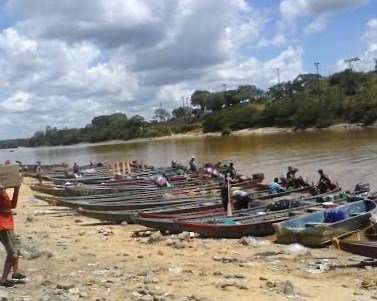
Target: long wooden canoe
{"points": [[118, 216], [362, 248], [316, 229]]}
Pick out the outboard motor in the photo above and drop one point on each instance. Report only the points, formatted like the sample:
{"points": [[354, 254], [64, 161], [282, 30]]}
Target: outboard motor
{"points": [[362, 187]]}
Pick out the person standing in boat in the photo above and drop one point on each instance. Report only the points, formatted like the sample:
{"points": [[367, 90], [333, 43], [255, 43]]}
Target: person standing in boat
{"points": [[224, 193], [274, 187], [325, 183], [8, 238], [192, 166], [39, 172], [174, 164], [291, 177], [76, 169], [231, 172]]}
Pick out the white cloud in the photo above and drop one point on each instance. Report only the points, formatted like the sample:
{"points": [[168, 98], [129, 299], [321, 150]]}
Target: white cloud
{"points": [[247, 71], [292, 9], [318, 25], [370, 36], [12, 43], [277, 40], [325, 6], [19, 102]]}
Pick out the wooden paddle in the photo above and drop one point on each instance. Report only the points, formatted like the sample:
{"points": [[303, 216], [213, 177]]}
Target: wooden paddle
{"points": [[229, 207]]}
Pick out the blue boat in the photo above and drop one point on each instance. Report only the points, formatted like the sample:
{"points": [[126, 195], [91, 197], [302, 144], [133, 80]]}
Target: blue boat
{"points": [[319, 228]]}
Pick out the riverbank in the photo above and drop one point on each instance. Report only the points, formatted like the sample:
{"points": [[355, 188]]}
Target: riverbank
{"points": [[244, 132], [69, 257]]}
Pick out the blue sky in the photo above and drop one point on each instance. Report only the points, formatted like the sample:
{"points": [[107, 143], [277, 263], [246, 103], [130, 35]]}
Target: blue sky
{"points": [[64, 62]]}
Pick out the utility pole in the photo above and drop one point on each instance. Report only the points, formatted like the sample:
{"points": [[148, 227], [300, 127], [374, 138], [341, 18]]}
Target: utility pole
{"points": [[186, 107], [318, 83], [278, 75]]}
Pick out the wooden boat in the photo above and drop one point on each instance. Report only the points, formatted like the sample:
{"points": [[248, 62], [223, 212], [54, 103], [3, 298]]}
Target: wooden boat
{"points": [[188, 211], [371, 232], [197, 213], [249, 224], [117, 216], [51, 189], [362, 248], [176, 211], [164, 225], [317, 229], [193, 209], [253, 221], [127, 204]]}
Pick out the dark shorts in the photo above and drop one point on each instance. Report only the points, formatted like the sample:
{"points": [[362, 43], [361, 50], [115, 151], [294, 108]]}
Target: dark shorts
{"points": [[8, 239]]}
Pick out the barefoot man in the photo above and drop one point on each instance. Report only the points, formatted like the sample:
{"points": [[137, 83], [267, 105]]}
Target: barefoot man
{"points": [[7, 237]]}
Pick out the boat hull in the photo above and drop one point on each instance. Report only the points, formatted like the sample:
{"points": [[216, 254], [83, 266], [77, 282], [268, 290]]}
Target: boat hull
{"points": [[312, 230], [362, 248]]}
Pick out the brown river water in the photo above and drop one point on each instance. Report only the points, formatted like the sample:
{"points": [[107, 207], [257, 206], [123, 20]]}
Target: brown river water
{"points": [[348, 156]]}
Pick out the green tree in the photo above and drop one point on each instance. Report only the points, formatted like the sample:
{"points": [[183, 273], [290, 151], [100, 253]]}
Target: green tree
{"points": [[200, 98], [179, 113], [101, 121], [215, 101], [118, 121], [161, 114]]}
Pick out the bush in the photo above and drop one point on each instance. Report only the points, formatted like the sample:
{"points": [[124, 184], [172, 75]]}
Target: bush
{"points": [[226, 131]]}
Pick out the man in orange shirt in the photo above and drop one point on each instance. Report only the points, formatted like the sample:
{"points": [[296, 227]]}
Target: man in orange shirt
{"points": [[7, 237]]}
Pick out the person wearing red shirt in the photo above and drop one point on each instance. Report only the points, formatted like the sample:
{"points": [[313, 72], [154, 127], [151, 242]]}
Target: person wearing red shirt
{"points": [[7, 237]]}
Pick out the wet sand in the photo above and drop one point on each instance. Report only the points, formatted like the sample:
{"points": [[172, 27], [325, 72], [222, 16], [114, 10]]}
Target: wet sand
{"points": [[70, 257]]}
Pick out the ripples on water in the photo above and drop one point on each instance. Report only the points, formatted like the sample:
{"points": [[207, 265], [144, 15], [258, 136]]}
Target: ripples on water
{"points": [[347, 156]]}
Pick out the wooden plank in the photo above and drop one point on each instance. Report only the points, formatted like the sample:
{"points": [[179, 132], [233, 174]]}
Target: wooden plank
{"points": [[315, 209], [128, 166], [10, 176]]}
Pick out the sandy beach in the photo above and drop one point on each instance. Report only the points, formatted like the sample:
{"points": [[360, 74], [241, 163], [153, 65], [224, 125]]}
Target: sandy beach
{"points": [[69, 257]]}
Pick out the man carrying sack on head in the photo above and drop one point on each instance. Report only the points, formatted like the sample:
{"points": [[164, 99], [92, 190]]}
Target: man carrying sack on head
{"points": [[7, 237]]}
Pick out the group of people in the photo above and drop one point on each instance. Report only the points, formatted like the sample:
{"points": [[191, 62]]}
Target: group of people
{"points": [[75, 173], [210, 168], [240, 199], [325, 183]]}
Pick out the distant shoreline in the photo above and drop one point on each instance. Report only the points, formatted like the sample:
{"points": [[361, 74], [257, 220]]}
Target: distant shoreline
{"points": [[243, 132]]}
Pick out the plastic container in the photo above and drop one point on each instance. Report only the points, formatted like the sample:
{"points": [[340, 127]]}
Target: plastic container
{"points": [[340, 214], [329, 198], [342, 195], [228, 221], [335, 215], [328, 205], [329, 216]]}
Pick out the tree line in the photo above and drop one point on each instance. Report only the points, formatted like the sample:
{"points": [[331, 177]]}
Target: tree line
{"points": [[307, 101]]}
